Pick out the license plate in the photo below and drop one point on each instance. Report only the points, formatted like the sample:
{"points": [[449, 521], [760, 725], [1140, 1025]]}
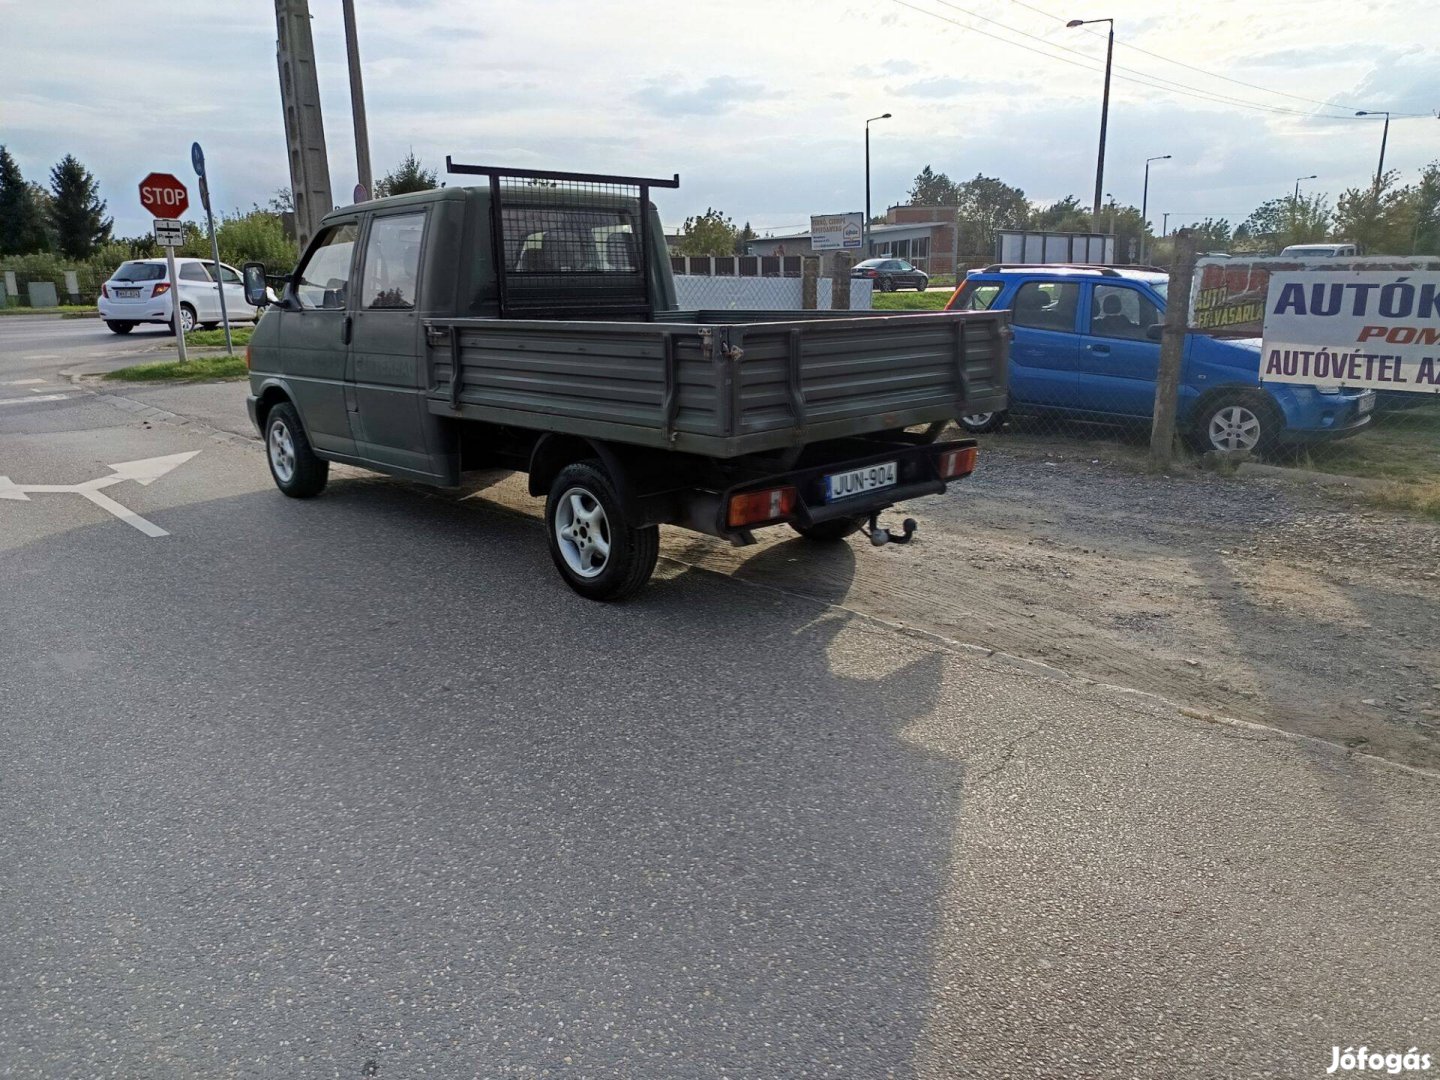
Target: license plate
{"points": [[127, 294], [858, 481], [1367, 404]]}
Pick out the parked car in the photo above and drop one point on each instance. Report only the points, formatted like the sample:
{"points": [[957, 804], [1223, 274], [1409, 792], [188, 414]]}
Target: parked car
{"points": [[1087, 344], [414, 341], [891, 274], [1320, 251], [140, 292]]}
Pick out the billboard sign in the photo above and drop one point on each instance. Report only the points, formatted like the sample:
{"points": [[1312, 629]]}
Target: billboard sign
{"points": [[836, 232], [1378, 329]]}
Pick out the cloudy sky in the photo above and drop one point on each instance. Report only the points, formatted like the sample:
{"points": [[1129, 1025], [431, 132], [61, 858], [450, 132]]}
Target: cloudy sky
{"points": [[758, 104]]}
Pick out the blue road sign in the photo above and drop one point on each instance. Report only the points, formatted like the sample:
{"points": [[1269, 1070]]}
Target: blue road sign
{"points": [[197, 158]]}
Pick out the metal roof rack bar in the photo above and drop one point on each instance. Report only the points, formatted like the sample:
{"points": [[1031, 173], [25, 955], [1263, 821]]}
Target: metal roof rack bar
{"points": [[547, 174], [1108, 271]]}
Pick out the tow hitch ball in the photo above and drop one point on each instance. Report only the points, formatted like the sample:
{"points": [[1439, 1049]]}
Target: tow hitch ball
{"points": [[880, 537]]}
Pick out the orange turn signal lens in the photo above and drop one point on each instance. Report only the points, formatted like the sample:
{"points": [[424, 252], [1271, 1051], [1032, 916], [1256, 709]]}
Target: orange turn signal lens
{"points": [[953, 463], [753, 507]]}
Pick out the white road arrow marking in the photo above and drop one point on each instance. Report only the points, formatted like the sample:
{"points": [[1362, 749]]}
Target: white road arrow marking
{"points": [[32, 400], [145, 472]]}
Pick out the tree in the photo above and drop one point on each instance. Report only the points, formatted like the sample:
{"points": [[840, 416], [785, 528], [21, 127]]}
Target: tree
{"points": [[1066, 215], [933, 189], [406, 177], [987, 205], [1279, 223], [78, 212], [257, 236], [1380, 218], [22, 222], [1211, 235], [743, 238], [712, 233], [1425, 239]]}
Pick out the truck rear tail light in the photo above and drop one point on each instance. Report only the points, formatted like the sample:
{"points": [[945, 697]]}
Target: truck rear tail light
{"points": [[754, 507], [955, 463], [161, 288]]}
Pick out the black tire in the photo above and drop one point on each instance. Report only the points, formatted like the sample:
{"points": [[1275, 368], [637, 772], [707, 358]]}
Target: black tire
{"points": [[830, 532], [209, 326], [118, 327], [183, 309], [306, 474], [887, 285], [630, 558], [980, 423], [922, 285], [1234, 421]]}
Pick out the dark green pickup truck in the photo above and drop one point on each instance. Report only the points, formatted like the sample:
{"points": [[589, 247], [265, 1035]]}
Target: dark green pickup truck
{"points": [[530, 322]]}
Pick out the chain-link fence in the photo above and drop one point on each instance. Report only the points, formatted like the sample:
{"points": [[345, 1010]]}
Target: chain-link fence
{"points": [[49, 287]]}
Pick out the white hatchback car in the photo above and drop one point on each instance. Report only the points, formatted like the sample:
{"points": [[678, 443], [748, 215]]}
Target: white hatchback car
{"points": [[140, 292]]}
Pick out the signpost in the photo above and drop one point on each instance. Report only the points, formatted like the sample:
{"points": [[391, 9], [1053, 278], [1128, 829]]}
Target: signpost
{"points": [[165, 197], [197, 159], [836, 232]]}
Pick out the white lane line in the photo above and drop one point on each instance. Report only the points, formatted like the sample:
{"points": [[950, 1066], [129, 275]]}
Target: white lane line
{"points": [[22, 382], [125, 514], [32, 400]]}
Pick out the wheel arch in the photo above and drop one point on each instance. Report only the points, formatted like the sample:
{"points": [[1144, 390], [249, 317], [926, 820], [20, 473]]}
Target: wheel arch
{"points": [[272, 394], [1198, 409], [552, 452]]}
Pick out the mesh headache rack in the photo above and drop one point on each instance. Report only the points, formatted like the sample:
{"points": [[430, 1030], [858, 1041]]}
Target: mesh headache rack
{"points": [[570, 245]]}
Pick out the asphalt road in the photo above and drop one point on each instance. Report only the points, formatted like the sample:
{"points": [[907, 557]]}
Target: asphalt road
{"points": [[355, 787]]}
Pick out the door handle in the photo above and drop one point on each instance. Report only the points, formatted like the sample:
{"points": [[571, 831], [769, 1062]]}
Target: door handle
{"points": [[345, 331], [1098, 348]]}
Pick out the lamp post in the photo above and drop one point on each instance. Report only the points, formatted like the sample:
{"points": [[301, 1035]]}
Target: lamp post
{"points": [[1104, 110], [1384, 135], [1144, 207], [1313, 176], [882, 116]]}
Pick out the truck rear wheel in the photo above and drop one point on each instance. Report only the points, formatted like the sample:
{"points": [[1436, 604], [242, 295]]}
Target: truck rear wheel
{"points": [[830, 532], [597, 551], [296, 468]]}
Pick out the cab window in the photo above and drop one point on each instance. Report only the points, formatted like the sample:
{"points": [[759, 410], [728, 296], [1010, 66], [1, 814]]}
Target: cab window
{"points": [[976, 297], [1120, 312], [1046, 305], [392, 261], [324, 281]]}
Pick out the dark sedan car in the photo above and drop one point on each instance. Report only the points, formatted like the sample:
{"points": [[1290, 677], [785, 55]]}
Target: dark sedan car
{"points": [[891, 274]]}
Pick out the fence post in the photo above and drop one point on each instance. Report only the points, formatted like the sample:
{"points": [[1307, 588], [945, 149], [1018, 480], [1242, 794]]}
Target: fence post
{"points": [[840, 281], [810, 283], [1172, 349]]}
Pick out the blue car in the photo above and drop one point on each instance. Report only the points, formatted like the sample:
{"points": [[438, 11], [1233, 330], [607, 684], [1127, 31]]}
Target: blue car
{"points": [[1087, 345]]}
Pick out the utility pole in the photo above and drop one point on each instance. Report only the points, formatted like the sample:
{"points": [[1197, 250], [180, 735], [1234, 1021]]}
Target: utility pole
{"points": [[1145, 208], [1104, 114], [865, 232], [357, 102], [1172, 350], [1384, 138], [304, 124]]}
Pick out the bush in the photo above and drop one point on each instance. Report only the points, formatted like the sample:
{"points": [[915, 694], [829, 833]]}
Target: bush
{"points": [[258, 236]]}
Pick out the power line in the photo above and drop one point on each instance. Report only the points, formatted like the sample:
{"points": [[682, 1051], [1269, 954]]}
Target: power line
{"points": [[1143, 78], [1214, 74]]}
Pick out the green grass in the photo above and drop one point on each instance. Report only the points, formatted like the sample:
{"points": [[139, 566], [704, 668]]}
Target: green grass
{"points": [[63, 309], [909, 301], [200, 369], [204, 338], [1403, 446]]}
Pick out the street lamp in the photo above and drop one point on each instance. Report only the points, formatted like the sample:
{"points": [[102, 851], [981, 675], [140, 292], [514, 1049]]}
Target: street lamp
{"points": [[1104, 110], [1144, 207], [1112, 212], [882, 116], [1380, 170], [1297, 184]]}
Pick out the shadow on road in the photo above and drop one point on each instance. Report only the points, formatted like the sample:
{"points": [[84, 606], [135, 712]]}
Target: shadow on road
{"points": [[365, 787]]}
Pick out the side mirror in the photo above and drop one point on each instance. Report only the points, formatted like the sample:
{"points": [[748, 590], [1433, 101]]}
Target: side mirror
{"points": [[1155, 331], [255, 290]]}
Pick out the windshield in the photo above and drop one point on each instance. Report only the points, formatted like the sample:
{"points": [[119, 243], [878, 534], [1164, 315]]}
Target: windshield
{"points": [[140, 271]]}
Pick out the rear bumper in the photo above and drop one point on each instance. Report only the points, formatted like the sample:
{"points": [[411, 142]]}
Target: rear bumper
{"points": [[917, 474], [112, 310]]}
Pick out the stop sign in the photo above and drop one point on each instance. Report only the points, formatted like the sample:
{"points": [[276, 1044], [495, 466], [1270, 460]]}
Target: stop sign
{"points": [[163, 195]]}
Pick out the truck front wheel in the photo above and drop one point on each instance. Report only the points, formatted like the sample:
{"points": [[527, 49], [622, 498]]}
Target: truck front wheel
{"points": [[597, 551], [297, 471]]}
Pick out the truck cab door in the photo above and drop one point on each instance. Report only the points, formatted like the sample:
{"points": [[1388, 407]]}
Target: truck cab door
{"points": [[387, 373], [1119, 360], [315, 334], [1044, 353]]}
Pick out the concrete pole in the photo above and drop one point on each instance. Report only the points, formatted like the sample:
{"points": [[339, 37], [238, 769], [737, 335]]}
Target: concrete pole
{"points": [[1104, 122], [304, 124], [357, 102]]}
